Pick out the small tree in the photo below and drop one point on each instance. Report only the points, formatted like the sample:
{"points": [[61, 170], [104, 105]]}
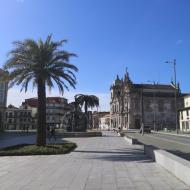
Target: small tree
{"points": [[88, 101]]}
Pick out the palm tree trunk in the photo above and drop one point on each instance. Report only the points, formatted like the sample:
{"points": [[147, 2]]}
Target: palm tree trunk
{"points": [[41, 129], [76, 115], [86, 116]]}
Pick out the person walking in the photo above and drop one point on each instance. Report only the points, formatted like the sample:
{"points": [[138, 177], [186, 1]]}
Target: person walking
{"points": [[52, 133]]}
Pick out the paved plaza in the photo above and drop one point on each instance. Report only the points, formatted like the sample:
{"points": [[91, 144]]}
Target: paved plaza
{"points": [[99, 163]]}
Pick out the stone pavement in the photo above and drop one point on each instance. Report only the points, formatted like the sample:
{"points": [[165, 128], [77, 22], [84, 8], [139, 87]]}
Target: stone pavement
{"points": [[99, 163]]}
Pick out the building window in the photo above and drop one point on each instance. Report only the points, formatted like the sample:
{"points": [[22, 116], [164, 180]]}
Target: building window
{"points": [[182, 115], [187, 125], [183, 125], [187, 112], [161, 106]]}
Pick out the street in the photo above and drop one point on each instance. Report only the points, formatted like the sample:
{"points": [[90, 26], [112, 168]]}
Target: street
{"points": [[177, 145]]}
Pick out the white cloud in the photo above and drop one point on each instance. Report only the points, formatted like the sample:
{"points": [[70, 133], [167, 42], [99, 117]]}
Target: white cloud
{"points": [[178, 42], [16, 97], [20, 1]]}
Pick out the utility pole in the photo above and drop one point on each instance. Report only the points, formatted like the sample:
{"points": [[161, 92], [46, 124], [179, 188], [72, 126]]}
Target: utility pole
{"points": [[142, 111], [154, 100], [175, 86]]}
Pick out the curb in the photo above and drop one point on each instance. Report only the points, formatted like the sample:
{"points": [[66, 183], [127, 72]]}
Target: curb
{"points": [[179, 167], [131, 140], [176, 165], [178, 135]]}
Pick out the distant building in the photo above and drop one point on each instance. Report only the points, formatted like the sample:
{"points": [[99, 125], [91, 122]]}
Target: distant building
{"points": [[104, 122], [3, 99], [184, 114], [151, 104], [56, 107], [17, 118], [96, 118]]}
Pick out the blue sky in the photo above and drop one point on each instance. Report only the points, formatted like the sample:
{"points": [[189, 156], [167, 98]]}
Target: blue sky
{"points": [[108, 36]]}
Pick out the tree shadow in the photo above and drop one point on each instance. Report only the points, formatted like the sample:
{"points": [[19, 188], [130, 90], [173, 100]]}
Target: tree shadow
{"points": [[117, 156]]}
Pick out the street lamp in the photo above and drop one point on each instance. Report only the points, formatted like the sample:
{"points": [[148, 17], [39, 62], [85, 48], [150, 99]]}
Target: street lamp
{"points": [[154, 99], [175, 85], [142, 111]]}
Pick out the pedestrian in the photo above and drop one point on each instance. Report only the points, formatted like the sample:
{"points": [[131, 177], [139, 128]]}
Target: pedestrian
{"points": [[27, 128], [48, 132], [52, 133]]}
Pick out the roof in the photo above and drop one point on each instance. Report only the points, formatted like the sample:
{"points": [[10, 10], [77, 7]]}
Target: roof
{"points": [[105, 116], [186, 95], [100, 114], [154, 86], [33, 102], [183, 109], [10, 106]]}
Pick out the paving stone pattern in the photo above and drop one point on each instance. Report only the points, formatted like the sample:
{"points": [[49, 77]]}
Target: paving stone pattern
{"points": [[99, 163]]}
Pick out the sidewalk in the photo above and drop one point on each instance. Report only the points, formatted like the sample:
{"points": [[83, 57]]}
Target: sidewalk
{"points": [[99, 163], [171, 133]]}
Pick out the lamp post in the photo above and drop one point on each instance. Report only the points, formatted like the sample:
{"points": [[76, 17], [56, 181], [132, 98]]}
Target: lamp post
{"points": [[142, 111], [154, 99], [175, 86]]}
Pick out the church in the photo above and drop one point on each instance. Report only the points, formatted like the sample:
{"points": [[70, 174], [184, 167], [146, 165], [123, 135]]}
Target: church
{"points": [[151, 104]]}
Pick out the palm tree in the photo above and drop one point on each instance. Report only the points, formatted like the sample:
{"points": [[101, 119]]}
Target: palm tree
{"points": [[43, 63], [88, 101], [73, 114]]}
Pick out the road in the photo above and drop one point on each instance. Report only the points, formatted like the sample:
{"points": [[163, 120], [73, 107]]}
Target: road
{"points": [[177, 145]]}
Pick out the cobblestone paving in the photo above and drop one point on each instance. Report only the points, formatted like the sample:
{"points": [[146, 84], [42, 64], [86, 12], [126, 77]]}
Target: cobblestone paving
{"points": [[99, 163]]}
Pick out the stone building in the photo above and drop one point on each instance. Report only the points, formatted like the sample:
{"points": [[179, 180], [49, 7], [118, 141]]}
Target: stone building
{"points": [[3, 100], [96, 118], [151, 104], [104, 122], [184, 115], [56, 107], [17, 118]]}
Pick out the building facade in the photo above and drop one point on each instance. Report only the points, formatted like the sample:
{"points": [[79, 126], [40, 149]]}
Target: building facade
{"points": [[96, 118], [184, 115], [151, 104], [104, 122], [56, 107], [18, 118], [3, 100]]}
